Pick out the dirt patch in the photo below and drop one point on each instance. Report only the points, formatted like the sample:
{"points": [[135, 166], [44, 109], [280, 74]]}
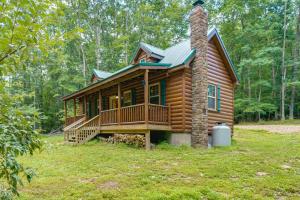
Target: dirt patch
{"points": [[88, 180], [109, 185], [272, 128]]}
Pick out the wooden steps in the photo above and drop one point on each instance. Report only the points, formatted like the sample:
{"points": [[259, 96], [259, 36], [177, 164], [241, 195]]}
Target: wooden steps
{"points": [[82, 132]]}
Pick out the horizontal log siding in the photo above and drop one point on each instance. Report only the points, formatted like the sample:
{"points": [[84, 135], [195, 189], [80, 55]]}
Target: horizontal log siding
{"points": [[174, 98], [188, 100], [218, 74]]}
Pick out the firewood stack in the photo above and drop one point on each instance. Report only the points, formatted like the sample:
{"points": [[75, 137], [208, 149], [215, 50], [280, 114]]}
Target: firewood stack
{"points": [[129, 139]]}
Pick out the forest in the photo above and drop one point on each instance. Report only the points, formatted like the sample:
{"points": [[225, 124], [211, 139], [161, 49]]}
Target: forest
{"points": [[49, 48]]}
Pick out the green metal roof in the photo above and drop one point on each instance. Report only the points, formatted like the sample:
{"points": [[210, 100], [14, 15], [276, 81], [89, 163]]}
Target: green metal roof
{"points": [[172, 57], [154, 51], [124, 69], [101, 74]]}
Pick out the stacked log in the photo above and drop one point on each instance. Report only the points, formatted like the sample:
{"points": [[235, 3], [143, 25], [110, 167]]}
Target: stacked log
{"points": [[129, 139]]}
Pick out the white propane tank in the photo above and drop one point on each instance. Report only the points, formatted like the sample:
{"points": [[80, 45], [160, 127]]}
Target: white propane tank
{"points": [[221, 136]]}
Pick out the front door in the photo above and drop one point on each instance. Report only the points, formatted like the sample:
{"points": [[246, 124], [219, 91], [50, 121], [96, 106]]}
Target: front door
{"points": [[113, 102]]}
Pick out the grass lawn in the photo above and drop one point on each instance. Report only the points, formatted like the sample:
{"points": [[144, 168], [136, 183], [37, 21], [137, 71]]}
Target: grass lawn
{"points": [[278, 122], [259, 165]]}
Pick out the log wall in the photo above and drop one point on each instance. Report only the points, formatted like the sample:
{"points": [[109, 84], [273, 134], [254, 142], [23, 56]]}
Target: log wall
{"points": [[218, 75]]}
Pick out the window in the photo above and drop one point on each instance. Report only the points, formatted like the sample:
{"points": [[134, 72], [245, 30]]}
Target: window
{"points": [[127, 98], [142, 60], [212, 97], [154, 94], [113, 102]]}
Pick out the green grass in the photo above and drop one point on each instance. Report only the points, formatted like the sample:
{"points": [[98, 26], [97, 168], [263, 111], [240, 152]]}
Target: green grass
{"points": [[272, 122], [104, 171]]}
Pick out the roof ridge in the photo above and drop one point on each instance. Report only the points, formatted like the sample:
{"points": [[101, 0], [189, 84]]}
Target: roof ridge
{"points": [[151, 45], [152, 49], [101, 70]]}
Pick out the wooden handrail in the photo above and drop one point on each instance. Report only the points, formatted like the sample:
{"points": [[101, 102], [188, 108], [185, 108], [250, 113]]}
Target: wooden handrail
{"points": [[109, 110], [71, 120], [134, 113], [159, 105], [73, 125], [88, 121], [159, 114], [141, 104]]}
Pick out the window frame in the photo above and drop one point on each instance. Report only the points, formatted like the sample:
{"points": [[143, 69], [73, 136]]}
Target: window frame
{"points": [[159, 95], [213, 97], [125, 92]]}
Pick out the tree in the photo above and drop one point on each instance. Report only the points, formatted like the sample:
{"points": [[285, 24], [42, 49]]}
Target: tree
{"points": [[296, 55], [283, 66], [23, 32]]}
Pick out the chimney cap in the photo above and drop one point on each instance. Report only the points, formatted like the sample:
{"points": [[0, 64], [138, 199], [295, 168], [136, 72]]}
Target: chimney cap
{"points": [[199, 2]]}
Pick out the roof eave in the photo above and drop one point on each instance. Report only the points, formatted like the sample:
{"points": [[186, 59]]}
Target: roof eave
{"points": [[94, 72], [214, 32], [125, 72], [148, 51]]}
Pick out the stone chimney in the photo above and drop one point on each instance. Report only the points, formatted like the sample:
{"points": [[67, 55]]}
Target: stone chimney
{"points": [[199, 26]]}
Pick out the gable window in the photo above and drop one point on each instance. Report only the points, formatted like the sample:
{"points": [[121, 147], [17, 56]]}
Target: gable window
{"points": [[142, 60], [212, 97], [127, 98], [154, 93]]}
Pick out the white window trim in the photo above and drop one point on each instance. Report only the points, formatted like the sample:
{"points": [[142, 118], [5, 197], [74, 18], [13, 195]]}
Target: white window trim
{"points": [[214, 97], [126, 92], [151, 85]]}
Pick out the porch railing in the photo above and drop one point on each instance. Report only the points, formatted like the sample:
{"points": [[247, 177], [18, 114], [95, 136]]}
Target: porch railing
{"points": [[71, 120], [133, 114], [88, 129], [158, 114], [109, 117], [82, 131]]}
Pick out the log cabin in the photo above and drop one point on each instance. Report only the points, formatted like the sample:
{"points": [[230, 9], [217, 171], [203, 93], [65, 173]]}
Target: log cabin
{"points": [[183, 90]]}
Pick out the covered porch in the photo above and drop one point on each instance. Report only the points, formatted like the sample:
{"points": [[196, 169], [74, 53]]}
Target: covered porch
{"points": [[132, 103]]}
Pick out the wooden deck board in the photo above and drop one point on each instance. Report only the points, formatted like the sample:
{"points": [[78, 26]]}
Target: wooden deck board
{"points": [[133, 128]]}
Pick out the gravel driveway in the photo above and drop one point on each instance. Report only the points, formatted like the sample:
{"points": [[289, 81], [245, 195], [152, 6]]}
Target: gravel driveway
{"points": [[272, 128]]}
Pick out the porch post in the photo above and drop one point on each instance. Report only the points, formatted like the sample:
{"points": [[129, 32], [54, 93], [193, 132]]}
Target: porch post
{"points": [[147, 140], [119, 103], [85, 105], [100, 102], [100, 106], [74, 100], [146, 95], [66, 111]]}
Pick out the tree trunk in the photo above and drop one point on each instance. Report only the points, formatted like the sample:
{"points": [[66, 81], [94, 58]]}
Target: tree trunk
{"points": [[249, 84], [84, 70], [126, 42], [283, 67], [293, 89], [259, 93], [98, 48], [296, 63]]}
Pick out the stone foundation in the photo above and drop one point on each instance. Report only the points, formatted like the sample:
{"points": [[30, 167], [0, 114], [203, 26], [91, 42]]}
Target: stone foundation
{"points": [[180, 139]]}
